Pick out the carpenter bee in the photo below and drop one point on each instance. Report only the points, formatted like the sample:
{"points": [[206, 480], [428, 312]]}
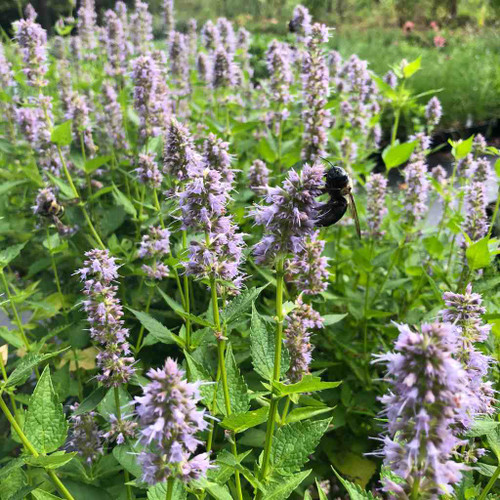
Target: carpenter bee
{"points": [[339, 189], [51, 209]]}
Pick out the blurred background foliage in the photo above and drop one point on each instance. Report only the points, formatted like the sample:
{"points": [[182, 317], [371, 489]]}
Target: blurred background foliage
{"points": [[459, 40]]}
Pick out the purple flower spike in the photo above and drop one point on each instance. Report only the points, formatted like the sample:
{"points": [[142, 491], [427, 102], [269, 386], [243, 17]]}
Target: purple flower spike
{"points": [[424, 402], [148, 172], [433, 112], [216, 156], [289, 213], [476, 220], [169, 422], [155, 245], [105, 313], [376, 188], [85, 437], [258, 176]]}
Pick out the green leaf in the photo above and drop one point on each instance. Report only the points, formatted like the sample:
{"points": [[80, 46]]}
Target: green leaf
{"points": [[43, 495], [95, 163], [266, 151], [239, 422], [293, 443], [156, 329], [478, 254], [460, 149], [82, 491], [127, 457], [7, 187], [482, 427], [262, 348], [238, 390], [91, 401], [26, 365], [45, 425], [10, 253], [493, 438], [241, 303], [124, 202], [107, 406], [282, 489], [61, 134], [217, 491], [159, 491], [331, 319], [309, 383], [354, 490], [306, 412], [12, 464], [485, 469], [411, 68], [397, 154], [54, 461], [63, 187], [321, 493], [10, 337]]}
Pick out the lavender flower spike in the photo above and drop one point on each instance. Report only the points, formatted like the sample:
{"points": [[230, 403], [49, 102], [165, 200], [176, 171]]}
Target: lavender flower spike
{"points": [[148, 172], [258, 176], [308, 269], [105, 315], [155, 245], [297, 338], [376, 187], [168, 9], [465, 311], [210, 36], [85, 437], [417, 190], [476, 220], [216, 156], [421, 408], [169, 421], [87, 28], [224, 74], [433, 112], [289, 213], [278, 61], [301, 22]]}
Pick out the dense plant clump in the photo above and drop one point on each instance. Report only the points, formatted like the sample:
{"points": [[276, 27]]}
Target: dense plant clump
{"points": [[181, 322]]}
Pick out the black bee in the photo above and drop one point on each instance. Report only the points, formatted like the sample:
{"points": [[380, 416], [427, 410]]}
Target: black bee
{"points": [[291, 27], [338, 187]]}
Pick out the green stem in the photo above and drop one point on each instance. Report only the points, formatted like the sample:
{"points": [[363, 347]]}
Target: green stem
{"points": [[187, 304], [490, 483], [119, 418], [11, 396], [494, 216], [221, 346], [57, 482], [277, 369], [141, 332], [158, 208], [415, 490], [285, 410], [214, 402], [77, 195], [396, 125], [14, 310], [170, 488]]}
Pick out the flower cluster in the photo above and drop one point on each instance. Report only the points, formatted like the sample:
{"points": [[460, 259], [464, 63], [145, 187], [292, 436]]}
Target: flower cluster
{"points": [[169, 422], [279, 61], [105, 313], [476, 220], [376, 187], [482, 172], [155, 245], [147, 170], [226, 34], [168, 15], [288, 217], [210, 36], [307, 268], [223, 74], [465, 312], [112, 118], [416, 190], [438, 173], [87, 28], [85, 437], [120, 429], [115, 41], [204, 68], [78, 111], [180, 158], [178, 57], [216, 156], [258, 176], [297, 338], [192, 36], [315, 83], [32, 40], [150, 99], [433, 112], [300, 24], [421, 408], [142, 22]]}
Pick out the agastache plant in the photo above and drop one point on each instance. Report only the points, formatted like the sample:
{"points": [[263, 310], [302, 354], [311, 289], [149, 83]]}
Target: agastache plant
{"points": [[376, 208]]}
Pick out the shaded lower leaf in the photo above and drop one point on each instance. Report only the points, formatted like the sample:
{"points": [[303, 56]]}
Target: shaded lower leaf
{"points": [[54, 461], [282, 489], [91, 401], [239, 422]]}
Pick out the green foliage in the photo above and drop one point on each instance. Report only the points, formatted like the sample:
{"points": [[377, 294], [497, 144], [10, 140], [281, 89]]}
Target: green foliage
{"points": [[61, 134]]}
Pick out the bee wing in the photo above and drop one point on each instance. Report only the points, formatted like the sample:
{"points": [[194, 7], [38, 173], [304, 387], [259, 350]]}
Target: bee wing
{"points": [[354, 212]]}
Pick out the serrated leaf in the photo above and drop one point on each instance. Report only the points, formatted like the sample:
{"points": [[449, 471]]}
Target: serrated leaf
{"points": [[217, 491], [12, 464], [241, 304], [122, 200], [309, 383], [95, 163], [8, 254], [282, 489], [238, 390], [11, 338], [305, 412], [127, 458], [45, 425], [159, 491], [485, 469], [156, 329], [43, 495], [262, 348], [25, 367], [64, 188], [107, 406], [478, 254], [293, 443], [482, 427], [239, 422], [61, 134], [198, 372], [54, 461], [397, 154], [321, 493], [411, 68], [493, 438], [91, 401], [460, 149], [331, 319], [354, 490]]}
